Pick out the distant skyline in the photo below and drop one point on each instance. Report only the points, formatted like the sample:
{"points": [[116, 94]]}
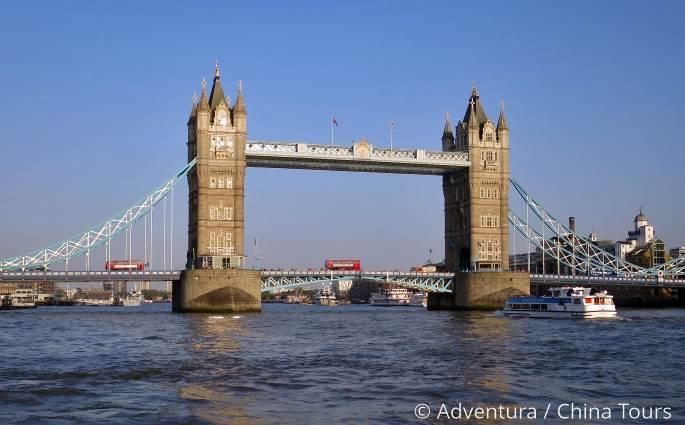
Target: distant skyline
{"points": [[96, 97]]}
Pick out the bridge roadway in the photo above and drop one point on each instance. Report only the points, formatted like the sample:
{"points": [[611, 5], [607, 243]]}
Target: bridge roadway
{"points": [[360, 156], [579, 280], [273, 280]]}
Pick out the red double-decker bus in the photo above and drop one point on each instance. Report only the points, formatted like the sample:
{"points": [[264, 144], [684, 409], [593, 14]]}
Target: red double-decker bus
{"points": [[115, 265], [343, 265]]}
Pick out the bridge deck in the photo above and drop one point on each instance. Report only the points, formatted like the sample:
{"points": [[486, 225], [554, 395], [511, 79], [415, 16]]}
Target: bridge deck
{"points": [[284, 279]]}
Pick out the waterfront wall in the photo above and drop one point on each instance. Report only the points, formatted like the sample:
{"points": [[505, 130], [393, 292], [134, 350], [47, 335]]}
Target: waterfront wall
{"points": [[218, 291], [627, 295]]}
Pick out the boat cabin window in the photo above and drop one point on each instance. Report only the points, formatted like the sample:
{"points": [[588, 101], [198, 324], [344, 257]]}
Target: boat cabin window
{"points": [[576, 301], [588, 300], [525, 306]]}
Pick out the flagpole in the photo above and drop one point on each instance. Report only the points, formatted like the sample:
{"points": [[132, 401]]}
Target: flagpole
{"points": [[392, 127], [332, 130]]}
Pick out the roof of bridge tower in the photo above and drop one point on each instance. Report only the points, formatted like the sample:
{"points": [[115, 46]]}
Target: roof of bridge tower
{"points": [[193, 110], [447, 132], [239, 102], [481, 116], [202, 104], [501, 122], [472, 121], [217, 93]]}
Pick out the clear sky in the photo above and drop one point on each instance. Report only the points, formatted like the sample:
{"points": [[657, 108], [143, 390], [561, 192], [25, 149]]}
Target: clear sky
{"points": [[96, 95]]}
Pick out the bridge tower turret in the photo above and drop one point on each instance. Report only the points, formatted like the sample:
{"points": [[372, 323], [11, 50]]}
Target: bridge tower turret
{"points": [[447, 135], [214, 279]]}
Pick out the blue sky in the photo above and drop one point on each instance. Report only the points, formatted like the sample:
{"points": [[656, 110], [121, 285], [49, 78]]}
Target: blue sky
{"points": [[96, 97]]}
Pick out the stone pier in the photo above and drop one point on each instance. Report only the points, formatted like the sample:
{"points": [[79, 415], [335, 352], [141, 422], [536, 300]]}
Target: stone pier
{"points": [[217, 291], [481, 291]]}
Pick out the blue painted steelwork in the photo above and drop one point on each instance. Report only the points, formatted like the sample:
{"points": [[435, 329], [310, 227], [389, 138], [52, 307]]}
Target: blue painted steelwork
{"points": [[98, 235], [578, 252], [430, 282]]}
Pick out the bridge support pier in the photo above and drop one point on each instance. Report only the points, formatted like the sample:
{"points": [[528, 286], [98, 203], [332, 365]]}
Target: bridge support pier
{"points": [[218, 291], [481, 291]]}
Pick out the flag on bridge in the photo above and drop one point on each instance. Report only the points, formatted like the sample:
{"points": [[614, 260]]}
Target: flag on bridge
{"points": [[334, 121]]}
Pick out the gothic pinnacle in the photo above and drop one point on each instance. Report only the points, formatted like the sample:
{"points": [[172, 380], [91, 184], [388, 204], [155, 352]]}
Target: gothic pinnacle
{"points": [[501, 122], [447, 132]]}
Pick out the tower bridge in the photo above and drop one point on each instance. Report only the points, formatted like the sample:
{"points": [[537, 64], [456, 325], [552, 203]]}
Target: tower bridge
{"points": [[473, 163]]}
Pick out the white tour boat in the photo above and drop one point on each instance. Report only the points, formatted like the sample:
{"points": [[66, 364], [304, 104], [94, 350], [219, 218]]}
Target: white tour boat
{"points": [[326, 296], [390, 297], [134, 299], [24, 298], [564, 302]]}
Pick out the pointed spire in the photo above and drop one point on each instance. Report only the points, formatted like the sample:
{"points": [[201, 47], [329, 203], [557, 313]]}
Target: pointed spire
{"points": [[193, 109], [501, 122], [474, 105], [217, 94], [473, 120], [203, 104], [447, 132], [239, 102]]}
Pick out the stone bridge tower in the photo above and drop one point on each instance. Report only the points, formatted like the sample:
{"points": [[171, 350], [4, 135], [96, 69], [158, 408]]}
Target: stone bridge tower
{"points": [[213, 279], [476, 199], [217, 133], [476, 213]]}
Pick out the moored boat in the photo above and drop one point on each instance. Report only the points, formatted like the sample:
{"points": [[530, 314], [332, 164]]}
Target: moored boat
{"points": [[563, 302], [134, 299], [24, 298], [326, 296], [390, 297]]}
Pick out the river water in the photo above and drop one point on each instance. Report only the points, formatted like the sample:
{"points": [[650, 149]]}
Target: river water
{"points": [[296, 364]]}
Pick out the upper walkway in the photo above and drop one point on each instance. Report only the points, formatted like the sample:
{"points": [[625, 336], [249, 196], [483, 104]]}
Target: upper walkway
{"points": [[358, 157]]}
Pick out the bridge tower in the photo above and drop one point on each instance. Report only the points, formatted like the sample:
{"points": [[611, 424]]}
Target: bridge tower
{"points": [[476, 198], [214, 279], [476, 212]]}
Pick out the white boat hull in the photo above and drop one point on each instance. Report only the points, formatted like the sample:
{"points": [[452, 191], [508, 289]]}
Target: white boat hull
{"points": [[560, 314]]}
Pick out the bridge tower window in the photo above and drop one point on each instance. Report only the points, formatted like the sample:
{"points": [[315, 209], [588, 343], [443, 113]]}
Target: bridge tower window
{"points": [[489, 221], [488, 193], [217, 182], [220, 243], [220, 213]]}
